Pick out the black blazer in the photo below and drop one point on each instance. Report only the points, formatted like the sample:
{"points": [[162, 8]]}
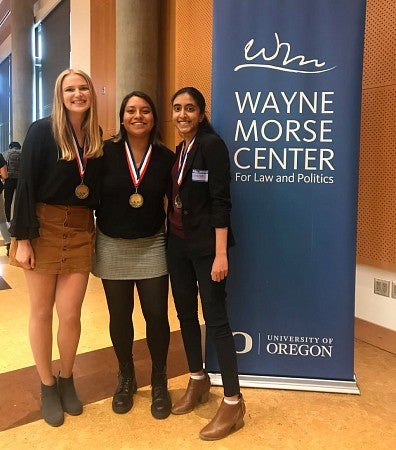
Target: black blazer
{"points": [[205, 193]]}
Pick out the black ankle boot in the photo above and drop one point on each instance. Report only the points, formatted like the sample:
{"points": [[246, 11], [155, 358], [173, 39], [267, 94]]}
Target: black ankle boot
{"points": [[71, 404], [127, 386], [162, 404], [51, 408]]}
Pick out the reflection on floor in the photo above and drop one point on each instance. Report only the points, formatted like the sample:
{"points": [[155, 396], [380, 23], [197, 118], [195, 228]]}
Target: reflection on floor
{"points": [[275, 419]]}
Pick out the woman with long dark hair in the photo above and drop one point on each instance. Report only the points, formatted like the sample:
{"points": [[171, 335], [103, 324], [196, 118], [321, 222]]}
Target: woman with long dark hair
{"points": [[130, 245], [198, 241]]}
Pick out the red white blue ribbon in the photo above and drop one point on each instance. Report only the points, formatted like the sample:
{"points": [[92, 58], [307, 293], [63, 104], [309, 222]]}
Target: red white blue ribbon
{"points": [[137, 172]]}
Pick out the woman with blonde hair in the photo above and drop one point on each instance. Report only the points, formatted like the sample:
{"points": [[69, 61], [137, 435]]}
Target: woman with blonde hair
{"points": [[53, 231]]}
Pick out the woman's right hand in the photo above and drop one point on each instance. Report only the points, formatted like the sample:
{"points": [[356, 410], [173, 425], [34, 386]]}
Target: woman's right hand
{"points": [[25, 254]]}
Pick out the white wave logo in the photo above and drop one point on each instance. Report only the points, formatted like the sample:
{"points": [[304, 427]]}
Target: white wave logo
{"points": [[275, 61]]}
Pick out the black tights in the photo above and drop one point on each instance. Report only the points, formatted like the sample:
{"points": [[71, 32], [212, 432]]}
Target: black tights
{"points": [[153, 295]]}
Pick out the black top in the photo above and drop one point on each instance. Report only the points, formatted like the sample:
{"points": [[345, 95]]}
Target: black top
{"points": [[45, 178], [2, 161], [204, 193], [2, 164], [115, 216]]}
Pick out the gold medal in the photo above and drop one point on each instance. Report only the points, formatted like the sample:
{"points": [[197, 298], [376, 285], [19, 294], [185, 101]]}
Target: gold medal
{"points": [[136, 200], [178, 202], [82, 191]]}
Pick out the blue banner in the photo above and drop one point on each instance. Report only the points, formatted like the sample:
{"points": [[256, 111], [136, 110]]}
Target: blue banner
{"points": [[286, 95]]}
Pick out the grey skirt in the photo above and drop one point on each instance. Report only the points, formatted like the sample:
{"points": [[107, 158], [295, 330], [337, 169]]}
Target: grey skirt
{"points": [[130, 259]]}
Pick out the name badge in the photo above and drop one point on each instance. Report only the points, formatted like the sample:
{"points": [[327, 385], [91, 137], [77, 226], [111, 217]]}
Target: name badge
{"points": [[202, 176]]}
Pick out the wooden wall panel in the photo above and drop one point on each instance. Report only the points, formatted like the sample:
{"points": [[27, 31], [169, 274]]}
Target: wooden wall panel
{"points": [[376, 244], [168, 64], [103, 61], [190, 49]]}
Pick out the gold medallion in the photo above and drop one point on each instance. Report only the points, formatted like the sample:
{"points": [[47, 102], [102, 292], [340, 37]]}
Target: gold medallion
{"points": [[178, 202], [136, 200], [82, 191]]}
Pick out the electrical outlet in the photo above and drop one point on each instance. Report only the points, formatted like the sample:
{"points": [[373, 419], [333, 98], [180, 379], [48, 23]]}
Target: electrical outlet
{"points": [[382, 287], [393, 289]]}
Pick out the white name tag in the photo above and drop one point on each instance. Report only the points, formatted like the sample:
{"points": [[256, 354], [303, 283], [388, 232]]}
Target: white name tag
{"points": [[201, 176]]}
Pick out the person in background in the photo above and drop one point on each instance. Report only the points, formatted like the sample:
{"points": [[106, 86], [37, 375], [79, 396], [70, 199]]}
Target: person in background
{"points": [[13, 158], [53, 231], [198, 241], [130, 246], [3, 220]]}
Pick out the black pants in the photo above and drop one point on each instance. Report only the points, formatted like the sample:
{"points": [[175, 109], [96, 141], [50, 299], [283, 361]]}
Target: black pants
{"points": [[9, 189], [187, 274], [153, 295]]}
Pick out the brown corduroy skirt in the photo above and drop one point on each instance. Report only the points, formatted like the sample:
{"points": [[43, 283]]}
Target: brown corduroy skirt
{"points": [[66, 241]]}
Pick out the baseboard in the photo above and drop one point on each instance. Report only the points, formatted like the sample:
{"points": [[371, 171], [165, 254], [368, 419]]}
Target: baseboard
{"points": [[376, 335]]}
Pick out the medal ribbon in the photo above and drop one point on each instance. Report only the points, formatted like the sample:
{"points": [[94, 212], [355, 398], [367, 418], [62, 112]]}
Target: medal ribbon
{"points": [[182, 160], [137, 173], [81, 160]]}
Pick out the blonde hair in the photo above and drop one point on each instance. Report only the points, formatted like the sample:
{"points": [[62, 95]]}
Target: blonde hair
{"points": [[61, 127]]}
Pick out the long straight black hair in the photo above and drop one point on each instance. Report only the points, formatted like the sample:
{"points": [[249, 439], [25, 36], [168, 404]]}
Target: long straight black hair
{"points": [[204, 125]]}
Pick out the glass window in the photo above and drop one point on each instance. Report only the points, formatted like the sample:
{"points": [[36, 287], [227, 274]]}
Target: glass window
{"points": [[52, 55], [5, 103]]}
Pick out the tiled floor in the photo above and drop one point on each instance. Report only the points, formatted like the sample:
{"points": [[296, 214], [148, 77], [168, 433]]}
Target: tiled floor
{"points": [[275, 419]]}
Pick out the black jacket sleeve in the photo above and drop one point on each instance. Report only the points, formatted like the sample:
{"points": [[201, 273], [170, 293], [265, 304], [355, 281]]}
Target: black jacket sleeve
{"points": [[25, 224]]}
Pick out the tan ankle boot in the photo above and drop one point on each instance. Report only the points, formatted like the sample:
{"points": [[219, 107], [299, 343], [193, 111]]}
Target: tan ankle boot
{"points": [[228, 418], [197, 392]]}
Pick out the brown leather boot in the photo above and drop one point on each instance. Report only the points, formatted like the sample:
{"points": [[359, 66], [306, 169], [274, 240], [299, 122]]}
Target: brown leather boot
{"points": [[197, 392], [228, 418]]}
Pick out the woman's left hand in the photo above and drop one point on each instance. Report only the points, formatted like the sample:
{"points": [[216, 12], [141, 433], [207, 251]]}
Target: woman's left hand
{"points": [[219, 268]]}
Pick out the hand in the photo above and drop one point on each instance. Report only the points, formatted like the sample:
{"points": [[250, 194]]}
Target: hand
{"points": [[25, 254], [219, 267]]}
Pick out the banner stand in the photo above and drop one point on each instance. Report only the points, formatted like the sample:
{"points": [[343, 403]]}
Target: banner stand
{"points": [[286, 97], [294, 384]]}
